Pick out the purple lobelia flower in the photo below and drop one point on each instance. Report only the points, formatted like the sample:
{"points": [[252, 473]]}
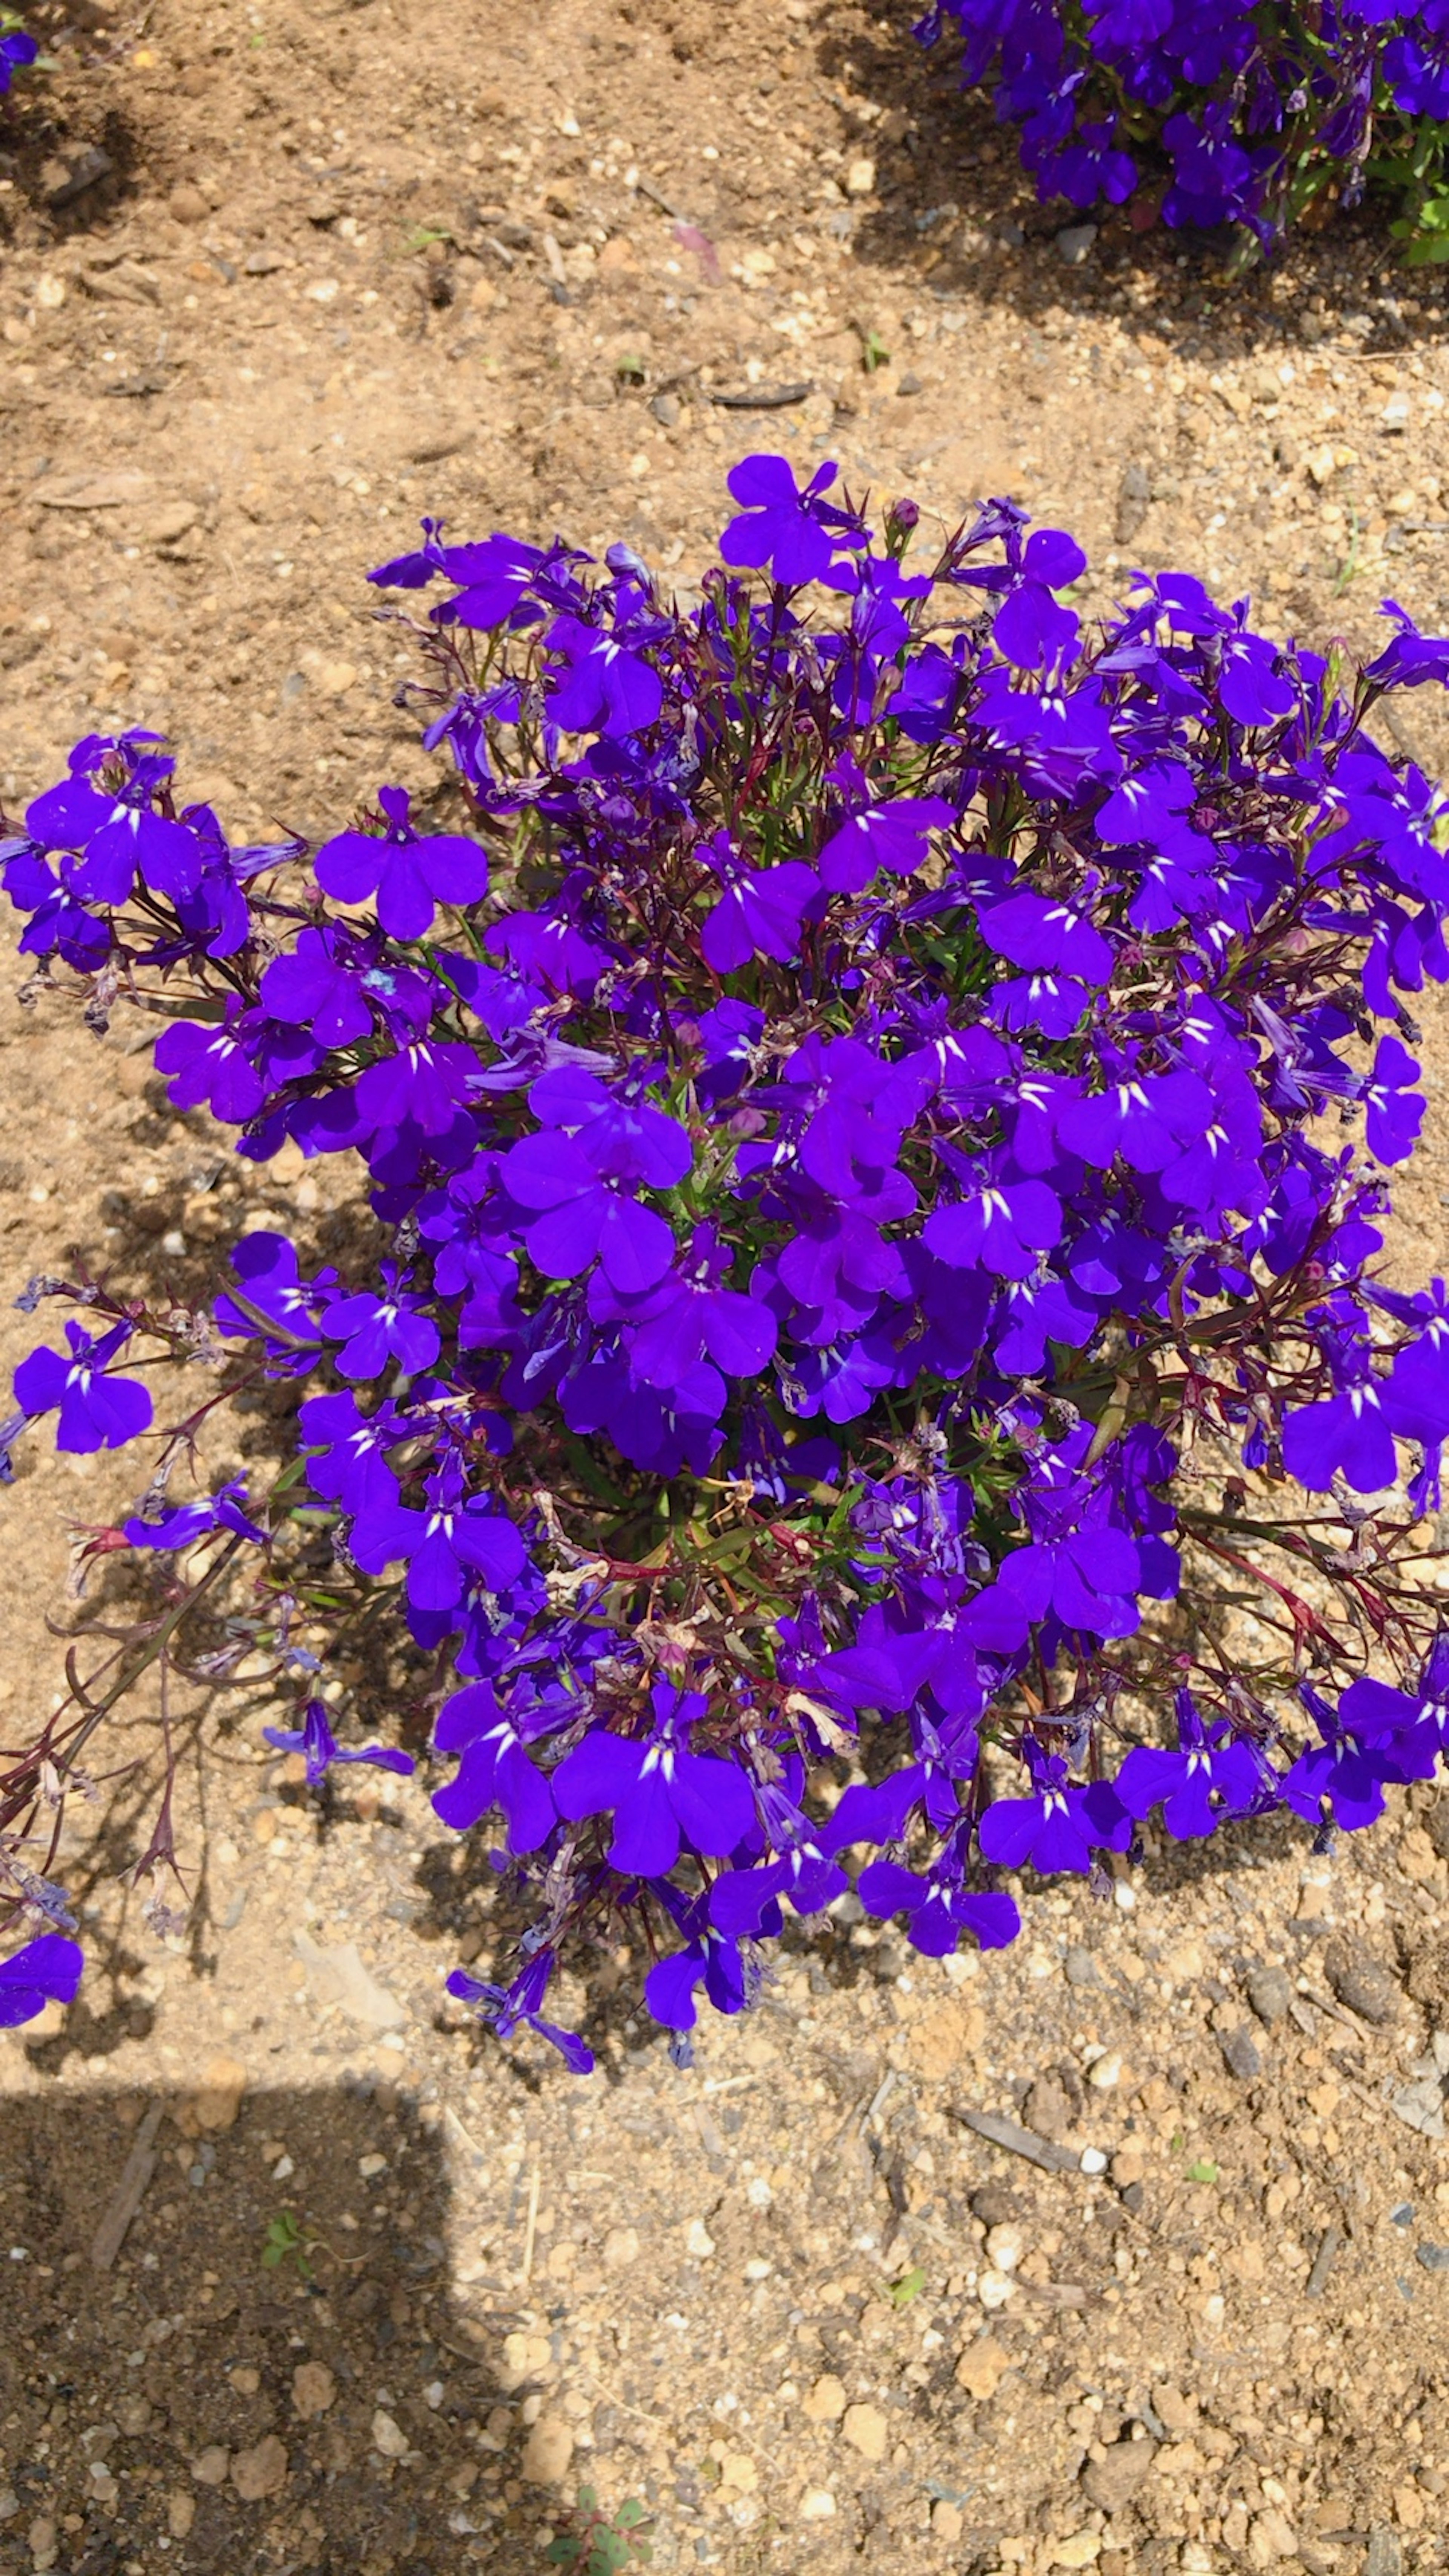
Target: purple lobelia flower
{"points": [[496, 1770], [379, 1329], [272, 1298], [97, 1410], [577, 1177], [894, 835], [659, 1793], [940, 1909], [1349, 1434], [687, 1316], [17, 50], [46, 1971], [1395, 1111], [450, 1537], [804, 1870], [1212, 1774], [1001, 1228], [607, 686], [213, 1064], [710, 1958], [120, 837], [184, 1523], [1059, 1826], [320, 984], [517, 2007], [408, 873], [796, 532], [1341, 1779], [315, 1739], [760, 911]]}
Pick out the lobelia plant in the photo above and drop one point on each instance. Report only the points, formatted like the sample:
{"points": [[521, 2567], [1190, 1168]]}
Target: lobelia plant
{"points": [[1213, 112], [873, 1281]]}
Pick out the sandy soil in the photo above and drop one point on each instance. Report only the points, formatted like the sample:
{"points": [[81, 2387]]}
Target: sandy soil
{"points": [[335, 266]]}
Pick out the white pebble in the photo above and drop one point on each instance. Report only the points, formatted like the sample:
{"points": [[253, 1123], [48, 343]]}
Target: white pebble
{"points": [[994, 2289], [1005, 2247]]}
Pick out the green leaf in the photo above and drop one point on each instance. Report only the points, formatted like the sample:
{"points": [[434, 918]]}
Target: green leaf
{"points": [[630, 2513], [1203, 2171], [563, 2553], [908, 2287], [874, 352]]}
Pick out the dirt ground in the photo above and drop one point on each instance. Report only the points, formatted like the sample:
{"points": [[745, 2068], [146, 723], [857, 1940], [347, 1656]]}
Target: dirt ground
{"points": [[275, 279]]}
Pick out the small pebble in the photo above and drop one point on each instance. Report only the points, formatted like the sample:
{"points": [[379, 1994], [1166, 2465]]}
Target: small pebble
{"points": [[1074, 243], [1360, 1982], [313, 2389], [825, 2403], [260, 2472], [1005, 2247], [388, 2436], [1079, 1967], [1434, 2258], [1270, 1994], [1241, 2053], [866, 2430]]}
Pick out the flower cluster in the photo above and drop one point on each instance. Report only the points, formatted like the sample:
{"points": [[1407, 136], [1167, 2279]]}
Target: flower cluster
{"points": [[848, 1092], [1214, 111]]}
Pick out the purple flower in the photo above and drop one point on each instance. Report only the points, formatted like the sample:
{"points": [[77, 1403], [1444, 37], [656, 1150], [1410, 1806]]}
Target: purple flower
{"points": [[939, 1908], [16, 50], [1212, 1774], [380, 1328], [315, 1738], [317, 985], [1002, 1229], [711, 1958], [1348, 1434], [759, 912], [577, 1176], [794, 531], [121, 840], [516, 2007], [608, 687], [409, 873], [1341, 1778], [895, 836], [440, 1545], [272, 1297], [213, 1065], [97, 1411], [1032, 628], [45, 1971], [657, 1790], [184, 1523], [495, 1770], [351, 1465], [1059, 1825], [1395, 1113]]}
